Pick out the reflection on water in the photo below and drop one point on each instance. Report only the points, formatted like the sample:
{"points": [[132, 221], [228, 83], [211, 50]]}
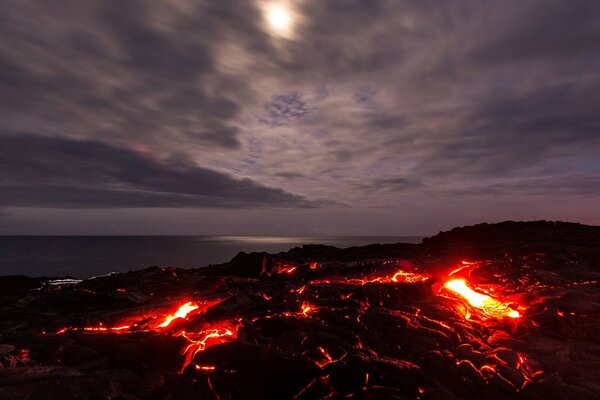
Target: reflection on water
{"points": [[87, 256], [252, 239]]}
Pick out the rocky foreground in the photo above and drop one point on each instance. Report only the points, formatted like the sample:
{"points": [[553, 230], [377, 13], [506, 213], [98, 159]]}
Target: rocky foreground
{"points": [[509, 310]]}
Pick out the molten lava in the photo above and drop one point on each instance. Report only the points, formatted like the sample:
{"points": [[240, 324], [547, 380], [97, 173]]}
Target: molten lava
{"points": [[398, 276], [200, 341], [196, 341], [489, 305], [182, 312], [200, 334]]}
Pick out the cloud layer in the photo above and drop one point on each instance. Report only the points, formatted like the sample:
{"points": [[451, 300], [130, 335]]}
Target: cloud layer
{"points": [[365, 104], [56, 172]]}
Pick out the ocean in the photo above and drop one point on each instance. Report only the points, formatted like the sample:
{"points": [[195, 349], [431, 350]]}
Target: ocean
{"points": [[87, 256]]}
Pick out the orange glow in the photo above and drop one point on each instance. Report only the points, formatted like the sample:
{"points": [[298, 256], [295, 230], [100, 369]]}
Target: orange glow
{"points": [[306, 308], [205, 367], [288, 269], [265, 296], [410, 277], [196, 341], [200, 334], [487, 304], [200, 341], [105, 329], [182, 312], [399, 276], [326, 358], [99, 328]]}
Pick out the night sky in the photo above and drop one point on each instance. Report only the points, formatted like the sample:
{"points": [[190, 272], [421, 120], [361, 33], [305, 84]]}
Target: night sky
{"points": [[296, 117]]}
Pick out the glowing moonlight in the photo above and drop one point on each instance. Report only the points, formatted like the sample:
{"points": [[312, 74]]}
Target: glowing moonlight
{"points": [[279, 18]]}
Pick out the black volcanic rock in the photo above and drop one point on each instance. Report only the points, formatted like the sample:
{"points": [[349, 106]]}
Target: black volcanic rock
{"points": [[510, 232], [318, 322]]}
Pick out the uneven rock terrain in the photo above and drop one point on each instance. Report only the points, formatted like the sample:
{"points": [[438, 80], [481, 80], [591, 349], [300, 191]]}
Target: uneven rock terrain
{"points": [[491, 311]]}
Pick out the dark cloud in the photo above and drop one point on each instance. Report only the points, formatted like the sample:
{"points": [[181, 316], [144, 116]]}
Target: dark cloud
{"points": [[342, 39], [116, 70], [224, 136], [398, 184], [66, 173], [151, 52], [511, 131], [545, 30], [551, 186], [290, 174]]}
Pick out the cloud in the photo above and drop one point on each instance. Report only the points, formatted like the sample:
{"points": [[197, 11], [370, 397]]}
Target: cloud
{"points": [[509, 132], [398, 184], [57, 172], [552, 186], [224, 136], [130, 72], [544, 30], [283, 109], [405, 100]]}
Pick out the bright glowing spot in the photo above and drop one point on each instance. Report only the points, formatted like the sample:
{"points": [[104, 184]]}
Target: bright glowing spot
{"points": [[306, 308], [403, 276], [279, 18], [182, 312], [484, 302], [475, 299]]}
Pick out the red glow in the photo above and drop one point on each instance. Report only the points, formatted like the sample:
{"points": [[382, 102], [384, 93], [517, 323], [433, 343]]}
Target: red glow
{"points": [[398, 276], [99, 328], [265, 296], [307, 308], [301, 289], [197, 334], [288, 269], [182, 312], [410, 277], [199, 341], [487, 304], [207, 368]]}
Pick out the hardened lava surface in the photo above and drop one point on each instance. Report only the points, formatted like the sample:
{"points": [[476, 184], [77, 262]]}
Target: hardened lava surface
{"points": [[502, 311]]}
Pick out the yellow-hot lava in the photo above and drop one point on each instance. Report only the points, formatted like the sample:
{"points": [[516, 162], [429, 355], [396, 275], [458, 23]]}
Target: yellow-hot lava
{"points": [[489, 305], [182, 312]]}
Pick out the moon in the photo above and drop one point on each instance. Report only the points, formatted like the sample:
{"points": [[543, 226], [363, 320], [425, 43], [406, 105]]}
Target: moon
{"points": [[279, 18]]}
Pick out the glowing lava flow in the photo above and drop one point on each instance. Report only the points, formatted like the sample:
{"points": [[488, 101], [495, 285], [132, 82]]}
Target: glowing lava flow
{"points": [[410, 277], [196, 341], [198, 333], [399, 276], [182, 312], [487, 304], [199, 341], [99, 328]]}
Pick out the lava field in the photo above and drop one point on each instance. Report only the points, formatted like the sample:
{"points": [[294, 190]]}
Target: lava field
{"points": [[491, 311]]}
